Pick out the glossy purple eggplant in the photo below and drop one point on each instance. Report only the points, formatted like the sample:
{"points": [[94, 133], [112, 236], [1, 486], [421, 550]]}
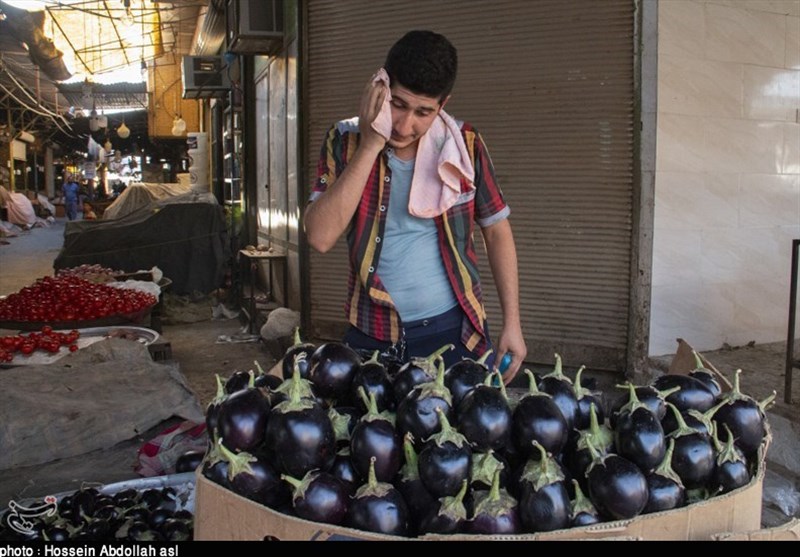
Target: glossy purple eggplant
{"points": [[616, 486], [484, 416], [445, 461], [745, 417], [319, 497], [290, 357], [331, 369], [375, 440], [496, 511], [537, 417], [465, 375], [638, 435], [378, 507], [665, 489]]}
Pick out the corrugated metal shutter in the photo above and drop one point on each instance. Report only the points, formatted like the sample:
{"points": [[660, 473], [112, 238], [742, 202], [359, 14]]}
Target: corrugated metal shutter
{"points": [[550, 86]]}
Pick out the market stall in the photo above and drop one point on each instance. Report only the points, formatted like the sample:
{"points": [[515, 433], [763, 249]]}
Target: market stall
{"points": [[184, 235]]}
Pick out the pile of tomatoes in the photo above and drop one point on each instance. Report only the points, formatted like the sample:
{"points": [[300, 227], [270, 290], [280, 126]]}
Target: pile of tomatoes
{"points": [[46, 340], [71, 298]]}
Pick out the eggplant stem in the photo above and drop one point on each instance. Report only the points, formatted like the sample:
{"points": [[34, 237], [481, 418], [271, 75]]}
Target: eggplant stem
{"points": [[484, 357]]}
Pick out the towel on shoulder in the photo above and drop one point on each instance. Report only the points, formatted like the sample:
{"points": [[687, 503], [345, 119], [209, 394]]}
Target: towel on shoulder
{"points": [[442, 160]]}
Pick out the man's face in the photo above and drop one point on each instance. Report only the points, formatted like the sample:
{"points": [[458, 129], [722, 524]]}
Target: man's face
{"points": [[412, 116]]}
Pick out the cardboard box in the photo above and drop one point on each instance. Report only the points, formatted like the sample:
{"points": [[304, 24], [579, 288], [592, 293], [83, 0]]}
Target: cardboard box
{"points": [[789, 532], [223, 515]]}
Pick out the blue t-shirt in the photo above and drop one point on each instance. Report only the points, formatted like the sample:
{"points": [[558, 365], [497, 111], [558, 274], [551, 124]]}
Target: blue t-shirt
{"points": [[71, 190], [411, 264]]}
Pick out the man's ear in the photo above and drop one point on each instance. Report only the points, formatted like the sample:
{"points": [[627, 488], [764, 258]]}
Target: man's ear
{"points": [[444, 102]]}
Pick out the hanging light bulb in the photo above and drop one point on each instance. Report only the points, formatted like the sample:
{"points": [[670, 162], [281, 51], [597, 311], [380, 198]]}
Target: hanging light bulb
{"points": [[178, 125], [127, 19], [123, 131], [107, 146]]}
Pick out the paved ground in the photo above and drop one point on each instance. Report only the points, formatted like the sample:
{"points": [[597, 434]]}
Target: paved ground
{"points": [[195, 346]]}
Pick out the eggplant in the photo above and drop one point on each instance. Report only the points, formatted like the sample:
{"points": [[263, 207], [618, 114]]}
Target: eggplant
{"points": [[638, 435], [665, 488], [694, 419], [586, 398], [239, 380], [264, 380], [496, 511], [373, 378], [300, 436], [744, 417], [616, 486], [331, 369], [344, 420], [484, 416], [463, 376], [582, 511], [409, 484], [242, 419], [416, 413], [253, 477], [560, 387], [693, 457], [578, 457], [692, 393], [731, 471], [484, 466], [296, 381], [446, 460], [319, 497], [705, 376], [378, 507], [544, 504], [189, 461], [375, 440], [648, 395], [212, 410], [290, 360], [343, 469], [416, 372], [447, 516], [537, 417]]}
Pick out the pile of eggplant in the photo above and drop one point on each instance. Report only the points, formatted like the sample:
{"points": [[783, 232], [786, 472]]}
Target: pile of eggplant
{"points": [[153, 514], [362, 441]]}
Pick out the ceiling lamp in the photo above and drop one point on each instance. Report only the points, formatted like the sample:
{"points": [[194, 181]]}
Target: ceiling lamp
{"points": [[178, 125], [107, 146], [123, 131]]}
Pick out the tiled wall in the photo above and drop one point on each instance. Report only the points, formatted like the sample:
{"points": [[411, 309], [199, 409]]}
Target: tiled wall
{"points": [[727, 199]]}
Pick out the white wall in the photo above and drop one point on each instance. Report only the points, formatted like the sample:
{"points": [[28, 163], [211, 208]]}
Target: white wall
{"points": [[727, 199]]}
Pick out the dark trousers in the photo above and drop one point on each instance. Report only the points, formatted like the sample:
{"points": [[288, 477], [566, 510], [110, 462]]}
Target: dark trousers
{"points": [[421, 339]]}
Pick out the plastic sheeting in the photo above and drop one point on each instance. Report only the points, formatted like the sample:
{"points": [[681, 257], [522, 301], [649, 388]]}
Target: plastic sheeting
{"points": [[185, 236], [19, 207], [139, 195], [93, 399]]}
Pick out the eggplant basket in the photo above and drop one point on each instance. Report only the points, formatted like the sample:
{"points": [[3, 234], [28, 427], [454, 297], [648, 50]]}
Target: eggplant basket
{"points": [[149, 509], [335, 444]]}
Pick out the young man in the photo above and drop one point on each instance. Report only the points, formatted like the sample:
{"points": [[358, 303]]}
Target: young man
{"points": [[414, 282]]}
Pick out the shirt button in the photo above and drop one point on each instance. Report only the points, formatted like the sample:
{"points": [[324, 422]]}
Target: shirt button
{"points": [[378, 240], [372, 269], [386, 178], [425, 323], [383, 207], [323, 180]]}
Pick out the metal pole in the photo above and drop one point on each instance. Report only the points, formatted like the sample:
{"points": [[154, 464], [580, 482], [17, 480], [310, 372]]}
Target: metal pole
{"points": [[790, 363]]}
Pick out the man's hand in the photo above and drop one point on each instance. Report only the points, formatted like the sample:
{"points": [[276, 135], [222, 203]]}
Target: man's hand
{"points": [[371, 103], [511, 340]]}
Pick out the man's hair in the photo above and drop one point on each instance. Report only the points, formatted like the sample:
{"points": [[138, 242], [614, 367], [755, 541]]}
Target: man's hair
{"points": [[423, 62]]}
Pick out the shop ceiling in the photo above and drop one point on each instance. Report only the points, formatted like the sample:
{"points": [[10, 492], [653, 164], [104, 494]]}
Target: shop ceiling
{"points": [[61, 59]]}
